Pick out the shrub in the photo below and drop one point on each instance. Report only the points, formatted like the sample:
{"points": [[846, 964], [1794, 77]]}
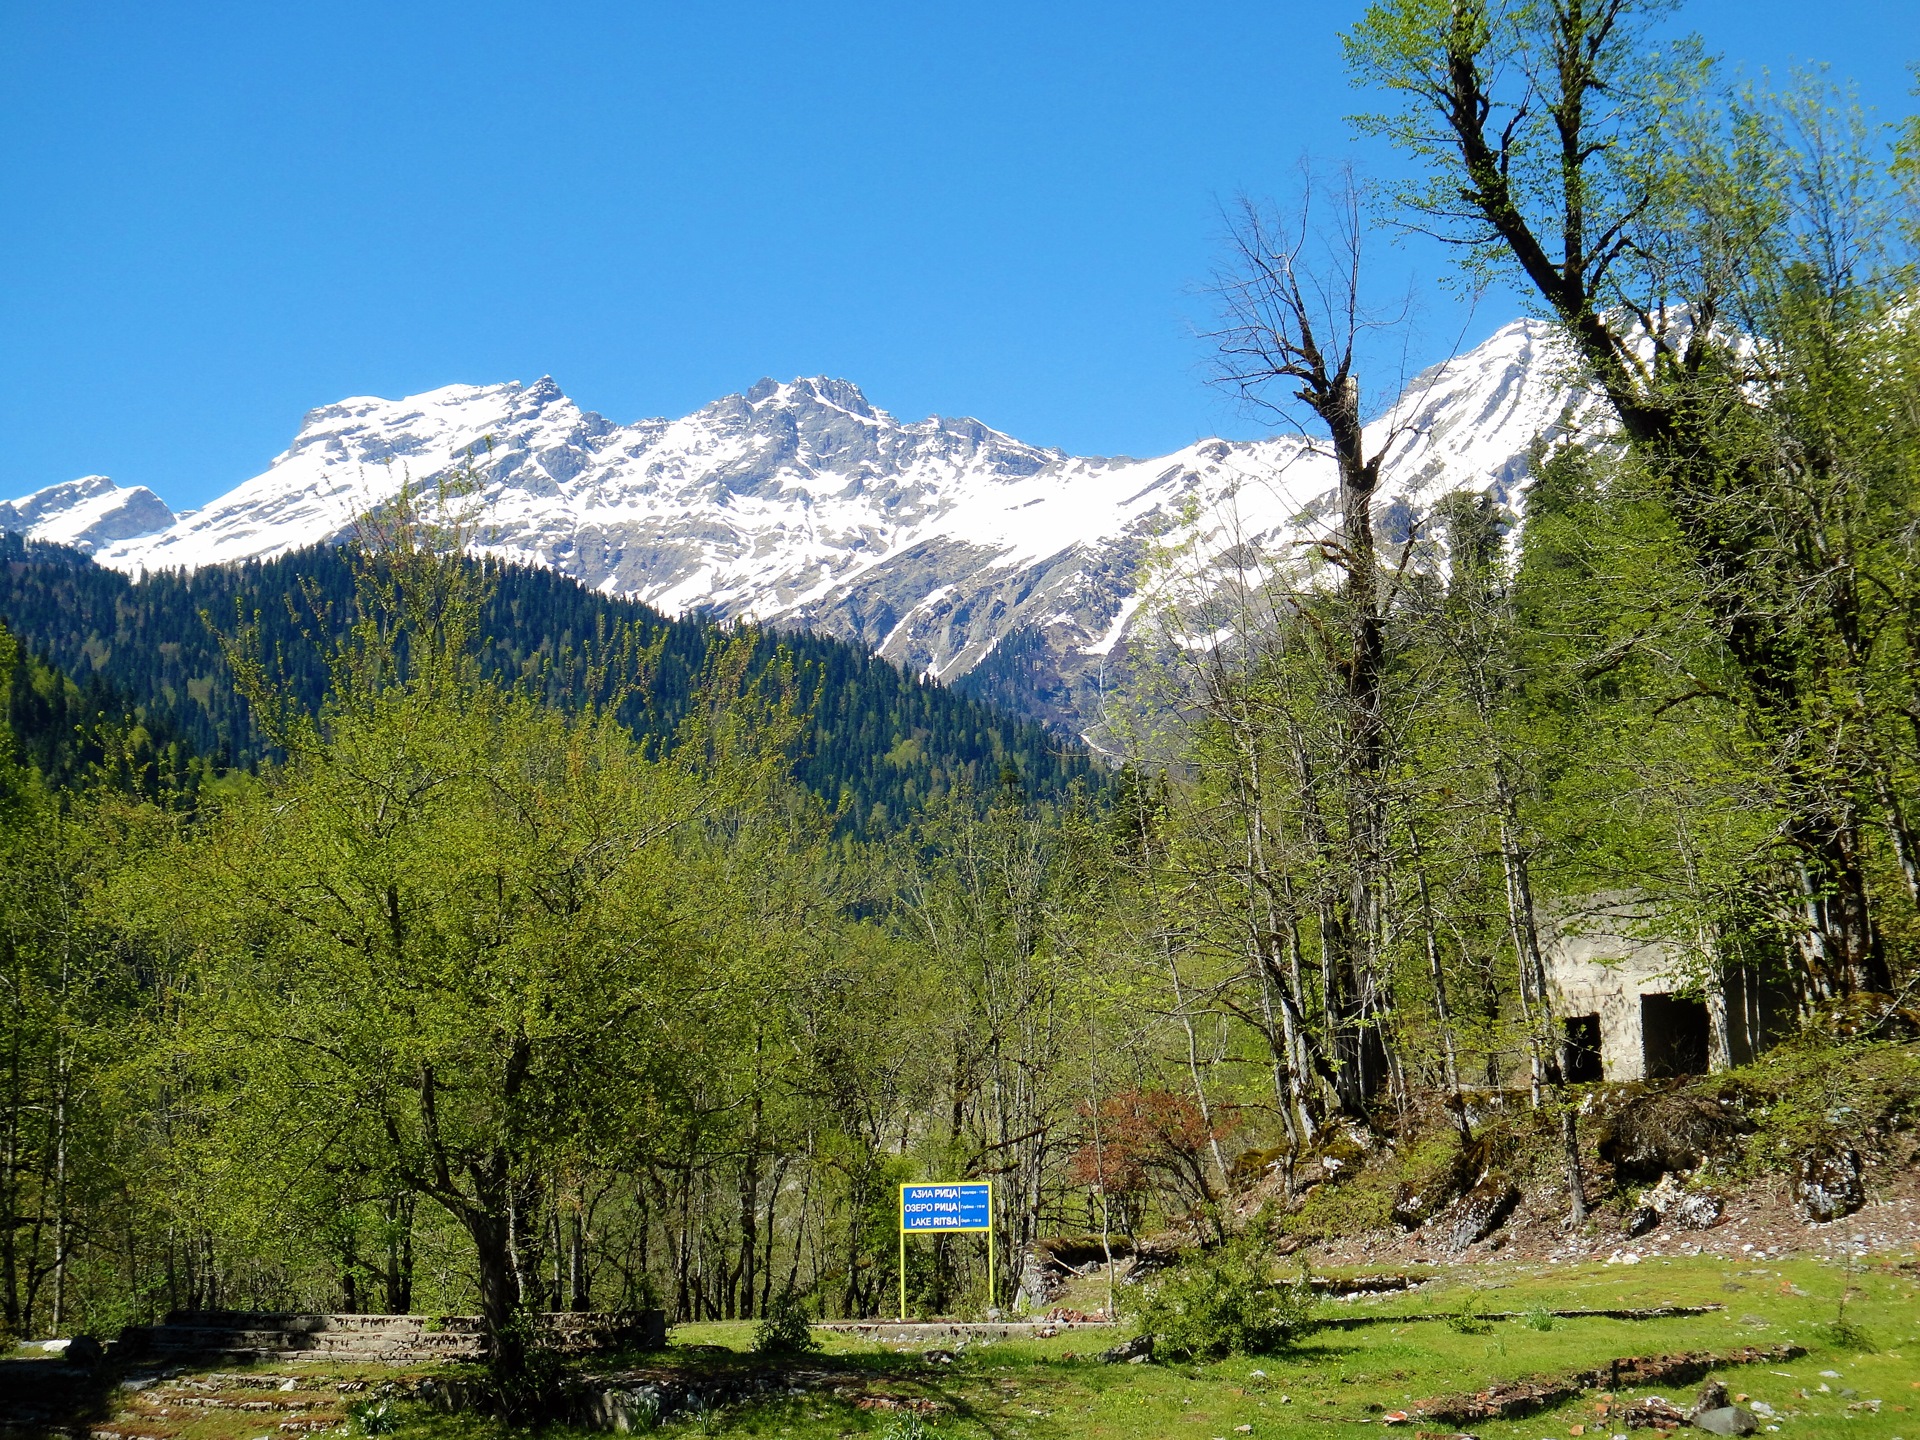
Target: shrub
{"points": [[1843, 1334], [1226, 1303], [1467, 1320], [786, 1328], [373, 1418]]}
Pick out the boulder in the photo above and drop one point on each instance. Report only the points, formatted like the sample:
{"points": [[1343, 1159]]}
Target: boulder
{"points": [[1697, 1210], [1681, 1207], [1129, 1351], [1828, 1184], [1425, 1190], [1647, 1132], [625, 1409], [1482, 1210], [75, 1350], [1411, 1207], [1037, 1287], [1727, 1420], [1712, 1396]]}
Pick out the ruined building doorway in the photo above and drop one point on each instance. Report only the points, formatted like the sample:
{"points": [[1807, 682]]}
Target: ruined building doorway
{"points": [[1580, 1050], [1673, 1035]]}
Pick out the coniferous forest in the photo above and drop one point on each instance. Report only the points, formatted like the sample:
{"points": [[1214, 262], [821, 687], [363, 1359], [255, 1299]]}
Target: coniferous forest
{"points": [[382, 930], [877, 742]]}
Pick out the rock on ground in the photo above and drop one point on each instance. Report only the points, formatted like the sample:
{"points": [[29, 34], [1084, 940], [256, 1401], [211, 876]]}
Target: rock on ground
{"points": [[1828, 1185], [1482, 1209]]}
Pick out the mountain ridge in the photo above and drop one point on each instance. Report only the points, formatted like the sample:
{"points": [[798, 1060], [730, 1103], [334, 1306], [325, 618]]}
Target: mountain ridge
{"points": [[800, 504]]}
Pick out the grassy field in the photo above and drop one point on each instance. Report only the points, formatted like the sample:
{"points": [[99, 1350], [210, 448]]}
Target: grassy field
{"points": [[1428, 1342]]}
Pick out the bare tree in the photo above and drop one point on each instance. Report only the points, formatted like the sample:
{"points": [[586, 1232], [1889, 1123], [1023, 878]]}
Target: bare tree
{"points": [[1293, 323]]}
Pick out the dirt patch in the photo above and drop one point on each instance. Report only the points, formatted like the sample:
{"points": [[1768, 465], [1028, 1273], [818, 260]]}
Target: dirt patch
{"points": [[1649, 1312], [1365, 1284]]}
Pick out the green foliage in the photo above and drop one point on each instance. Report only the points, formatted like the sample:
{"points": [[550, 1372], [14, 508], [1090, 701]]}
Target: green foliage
{"points": [[1467, 1320], [786, 1328], [526, 1378], [1226, 1302], [1811, 1094], [373, 1417], [450, 904], [1363, 1201], [91, 736]]}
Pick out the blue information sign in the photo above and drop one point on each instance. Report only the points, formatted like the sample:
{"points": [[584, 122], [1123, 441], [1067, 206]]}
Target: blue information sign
{"points": [[966, 1206]]}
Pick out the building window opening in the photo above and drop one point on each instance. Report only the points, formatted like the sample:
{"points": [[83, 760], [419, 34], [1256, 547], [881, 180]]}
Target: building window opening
{"points": [[1580, 1050], [1673, 1035]]}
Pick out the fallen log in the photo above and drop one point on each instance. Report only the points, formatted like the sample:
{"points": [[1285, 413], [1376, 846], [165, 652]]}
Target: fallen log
{"points": [[1650, 1312], [1512, 1399]]}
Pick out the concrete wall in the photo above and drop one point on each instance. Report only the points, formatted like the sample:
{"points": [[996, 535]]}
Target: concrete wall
{"points": [[1597, 966]]}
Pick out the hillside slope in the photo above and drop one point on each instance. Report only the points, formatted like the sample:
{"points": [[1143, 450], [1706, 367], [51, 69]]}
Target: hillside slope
{"points": [[881, 741]]}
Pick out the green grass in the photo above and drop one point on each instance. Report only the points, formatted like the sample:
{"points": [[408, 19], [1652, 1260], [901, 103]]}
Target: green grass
{"points": [[1337, 1380]]}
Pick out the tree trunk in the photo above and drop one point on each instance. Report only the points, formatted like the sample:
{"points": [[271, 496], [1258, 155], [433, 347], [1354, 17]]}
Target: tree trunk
{"points": [[492, 1234], [750, 1210], [579, 1300], [63, 1081], [10, 1218], [1436, 973], [399, 1282]]}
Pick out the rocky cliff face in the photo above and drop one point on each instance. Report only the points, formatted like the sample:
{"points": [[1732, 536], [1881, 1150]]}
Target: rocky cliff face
{"points": [[947, 546]]}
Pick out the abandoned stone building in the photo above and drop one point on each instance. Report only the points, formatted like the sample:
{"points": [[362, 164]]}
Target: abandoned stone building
{"points": [[1635, 1008]]}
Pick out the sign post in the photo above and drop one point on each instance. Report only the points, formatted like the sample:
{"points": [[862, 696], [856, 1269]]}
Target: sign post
{"points": [[965, 1206]]}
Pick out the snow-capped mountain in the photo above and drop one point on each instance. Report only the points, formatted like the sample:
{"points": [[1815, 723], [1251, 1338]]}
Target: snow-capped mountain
{"points": [[87, 513], [934, 542]]}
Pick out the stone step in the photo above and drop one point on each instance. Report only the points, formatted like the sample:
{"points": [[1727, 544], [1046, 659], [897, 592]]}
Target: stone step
{"points": [[261, 1403], [188, 1337]]}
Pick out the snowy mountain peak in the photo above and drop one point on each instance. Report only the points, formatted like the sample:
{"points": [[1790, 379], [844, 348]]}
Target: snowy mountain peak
{"points": [[86, 513], [819, 389], [801, 503]]}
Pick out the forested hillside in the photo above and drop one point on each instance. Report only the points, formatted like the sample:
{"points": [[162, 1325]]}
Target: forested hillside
{"points": [[879, 742]]}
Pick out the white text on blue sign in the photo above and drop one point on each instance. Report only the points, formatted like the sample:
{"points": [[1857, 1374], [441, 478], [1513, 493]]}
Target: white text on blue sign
{"points": [[944, 1207]]}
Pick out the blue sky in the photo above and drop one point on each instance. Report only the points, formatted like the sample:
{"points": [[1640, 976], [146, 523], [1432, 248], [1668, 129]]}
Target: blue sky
{"points": [[218, 216]]}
